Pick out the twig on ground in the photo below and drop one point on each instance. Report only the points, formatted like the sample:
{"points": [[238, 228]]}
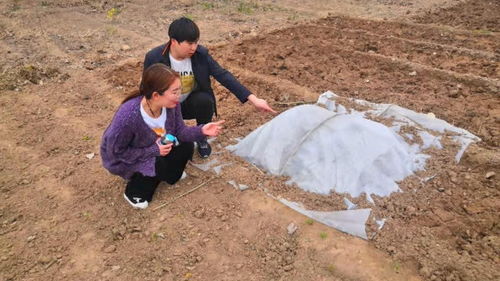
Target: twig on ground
{"points": [[291, 103], [257, 168], [183, 194], [7, 231], [50, 264]]}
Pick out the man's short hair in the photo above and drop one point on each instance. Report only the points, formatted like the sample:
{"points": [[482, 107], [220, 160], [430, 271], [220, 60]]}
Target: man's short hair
{"points": [[184, 29]]}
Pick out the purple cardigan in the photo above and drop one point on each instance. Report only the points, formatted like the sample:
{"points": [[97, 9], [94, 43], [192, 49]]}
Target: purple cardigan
{"points": [[129, 145]]}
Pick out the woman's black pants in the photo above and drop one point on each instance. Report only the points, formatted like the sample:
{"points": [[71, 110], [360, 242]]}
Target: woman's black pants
{"points": [[168, 168]]}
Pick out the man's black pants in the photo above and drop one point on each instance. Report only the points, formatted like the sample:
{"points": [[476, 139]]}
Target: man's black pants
{"points": [[200, 106], [168, 168]]}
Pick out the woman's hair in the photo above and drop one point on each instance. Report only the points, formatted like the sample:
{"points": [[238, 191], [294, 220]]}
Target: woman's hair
{"points": [[156, 78]]}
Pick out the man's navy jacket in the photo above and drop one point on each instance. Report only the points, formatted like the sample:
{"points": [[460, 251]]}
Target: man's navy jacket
{"points": [[204, 66]]}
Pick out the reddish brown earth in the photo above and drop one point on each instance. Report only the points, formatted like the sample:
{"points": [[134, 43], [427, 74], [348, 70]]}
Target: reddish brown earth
{"points": [[453, 234], [481, 16], [65, 68]]}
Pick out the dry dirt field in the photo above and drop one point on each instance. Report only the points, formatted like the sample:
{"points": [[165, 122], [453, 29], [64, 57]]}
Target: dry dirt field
{"points": [[66, 65]]}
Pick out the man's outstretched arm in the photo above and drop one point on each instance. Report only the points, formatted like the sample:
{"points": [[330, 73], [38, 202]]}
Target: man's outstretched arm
{"points": [[228, 80]]}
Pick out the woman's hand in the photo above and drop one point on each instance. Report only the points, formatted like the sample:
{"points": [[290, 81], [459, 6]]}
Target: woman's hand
{"points": [[212, 129], [164, 149]]}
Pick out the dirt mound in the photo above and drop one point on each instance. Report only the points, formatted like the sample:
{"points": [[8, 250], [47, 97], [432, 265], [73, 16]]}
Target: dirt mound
{"points": [[29, 74], [480, 15]]}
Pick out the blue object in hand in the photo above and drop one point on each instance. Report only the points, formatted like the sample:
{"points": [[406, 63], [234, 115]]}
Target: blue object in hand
{"points": [[168, 138]]}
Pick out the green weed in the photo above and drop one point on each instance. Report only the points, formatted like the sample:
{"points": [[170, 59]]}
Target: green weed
{"points": [[397, 267], [247, 7], [207, 5], [269, 7], [111, 30], [189, 16], [154, 236], [112, 13], [309, 221], [15, 6], [482, 31], [323, 235], [293, 17]]}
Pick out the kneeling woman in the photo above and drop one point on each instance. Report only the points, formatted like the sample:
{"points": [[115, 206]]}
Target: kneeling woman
{"points": [[131, 146]]}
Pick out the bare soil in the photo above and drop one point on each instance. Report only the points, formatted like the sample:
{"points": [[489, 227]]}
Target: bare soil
{"points": [[66, 65], [481, 16]]}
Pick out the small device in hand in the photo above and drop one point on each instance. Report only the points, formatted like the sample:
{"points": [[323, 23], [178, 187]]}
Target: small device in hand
{"points": [[168, 138]]}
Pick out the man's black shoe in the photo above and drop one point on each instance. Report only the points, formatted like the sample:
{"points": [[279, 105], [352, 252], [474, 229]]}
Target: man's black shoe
{"points": [[204, 149]]}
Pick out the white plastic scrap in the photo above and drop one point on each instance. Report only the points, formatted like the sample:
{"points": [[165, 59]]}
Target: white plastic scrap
{"points": [[349, 221], [240, 187], [218, 169], [206, 166], [465, 143], [291, 228], [426, 179], [349, 204], [430, 140], [233, 183], [380, 223]]}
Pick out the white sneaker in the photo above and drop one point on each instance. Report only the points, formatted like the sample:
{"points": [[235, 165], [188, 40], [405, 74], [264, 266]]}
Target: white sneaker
{"points": [[136, 202], [184, 175]]}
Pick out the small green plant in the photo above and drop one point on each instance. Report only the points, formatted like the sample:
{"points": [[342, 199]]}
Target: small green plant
{"points": [[309, 221], [293, 17], [323, 235], [111, 30], [396, 266], [112, 13], [86, 138], [330, 268], [247, 8], [482, 31], [15, 6], [207, 5], [44, 3], [267, 8], [189, 16], [31, 73], [154, 236]]}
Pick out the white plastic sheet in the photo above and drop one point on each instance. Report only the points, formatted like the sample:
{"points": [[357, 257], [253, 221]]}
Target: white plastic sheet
{"points": [[349, 221]]}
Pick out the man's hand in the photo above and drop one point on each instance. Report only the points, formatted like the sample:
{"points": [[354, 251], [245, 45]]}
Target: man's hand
{"points": [[260, 104]]}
